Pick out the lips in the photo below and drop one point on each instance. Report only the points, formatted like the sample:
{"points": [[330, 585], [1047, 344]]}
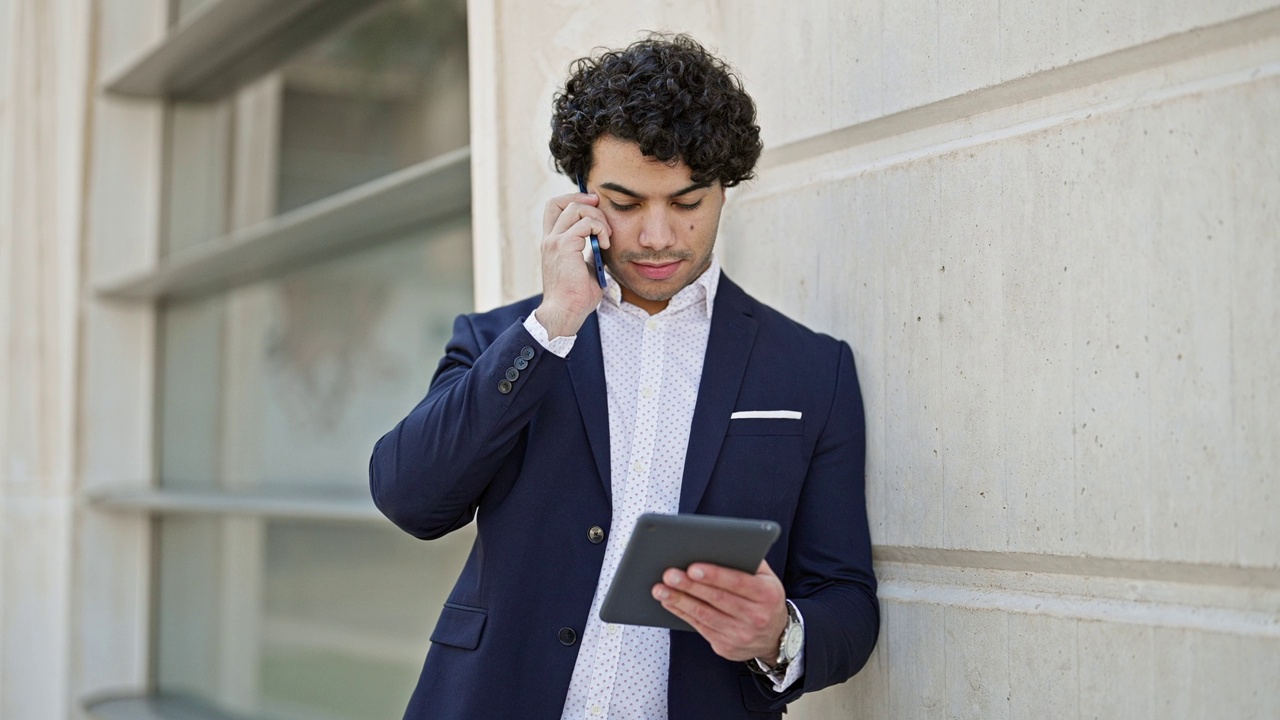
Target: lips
{"points": [[657, 272]]}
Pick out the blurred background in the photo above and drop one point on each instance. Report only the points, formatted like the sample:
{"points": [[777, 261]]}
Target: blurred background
{"points": [[234, 235]]}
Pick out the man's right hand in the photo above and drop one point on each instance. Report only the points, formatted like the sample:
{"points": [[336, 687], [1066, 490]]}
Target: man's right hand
{"points": [[570, 291]]}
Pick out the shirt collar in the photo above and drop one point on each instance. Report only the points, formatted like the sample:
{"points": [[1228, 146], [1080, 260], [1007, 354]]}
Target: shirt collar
{"points": [[703, 289]]}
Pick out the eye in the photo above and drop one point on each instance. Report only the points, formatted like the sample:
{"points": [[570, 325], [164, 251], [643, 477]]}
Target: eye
{"points": [[689, 206], [622, 208]]}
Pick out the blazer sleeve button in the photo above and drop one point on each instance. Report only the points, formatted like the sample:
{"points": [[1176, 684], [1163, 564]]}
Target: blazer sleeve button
{"points": [[504, 386], [568, 636], [512, 374], [595, 534], [520, 363], [526, 352]]}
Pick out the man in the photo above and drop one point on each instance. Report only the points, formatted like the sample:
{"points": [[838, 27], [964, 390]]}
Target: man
{"points": [[555, 422]]}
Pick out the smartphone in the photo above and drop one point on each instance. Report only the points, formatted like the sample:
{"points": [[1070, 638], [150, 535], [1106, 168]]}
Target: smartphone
{"points": [[595, 241]]}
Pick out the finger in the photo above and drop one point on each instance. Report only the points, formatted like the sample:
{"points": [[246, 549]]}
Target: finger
{"points": [[750, 618], [725, 601], [579, 233], [704, 618], [759, 587], [556, 205], [571, 213], [572, 240], [706, 623]]}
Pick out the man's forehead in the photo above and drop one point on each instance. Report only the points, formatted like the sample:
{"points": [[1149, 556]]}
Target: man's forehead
{"points": [[620, 166]]}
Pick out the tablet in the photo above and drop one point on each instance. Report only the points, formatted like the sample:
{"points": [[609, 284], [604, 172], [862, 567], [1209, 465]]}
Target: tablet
{"points": [[664, 541]]}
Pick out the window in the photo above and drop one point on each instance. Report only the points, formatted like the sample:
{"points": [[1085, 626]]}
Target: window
{"points": [[316, 249]]}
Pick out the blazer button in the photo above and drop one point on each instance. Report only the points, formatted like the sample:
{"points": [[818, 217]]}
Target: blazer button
{"points": [[595, 534], [512, 374], [504, 386], [520, 363], [567, 636], [526, 352]]}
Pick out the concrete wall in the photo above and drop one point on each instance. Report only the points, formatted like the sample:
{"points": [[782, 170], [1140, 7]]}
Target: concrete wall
{"points": [[1051, 234], [79, 190], [41, 133]]}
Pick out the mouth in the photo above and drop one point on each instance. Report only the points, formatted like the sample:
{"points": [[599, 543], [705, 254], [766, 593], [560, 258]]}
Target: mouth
{"points": [[661, 271]]}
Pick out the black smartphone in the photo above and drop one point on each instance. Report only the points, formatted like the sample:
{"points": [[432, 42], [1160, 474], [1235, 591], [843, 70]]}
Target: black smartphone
{"points": [[595, 241]]}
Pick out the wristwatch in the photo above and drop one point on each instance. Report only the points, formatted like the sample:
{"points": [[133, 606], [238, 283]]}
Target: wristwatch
{"points": [[788, 648]]}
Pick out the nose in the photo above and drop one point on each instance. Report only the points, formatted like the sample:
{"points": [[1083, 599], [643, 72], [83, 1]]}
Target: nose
{"points": [[657, 232]]}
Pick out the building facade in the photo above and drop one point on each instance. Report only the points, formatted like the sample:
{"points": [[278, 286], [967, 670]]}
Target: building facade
{"points": [[233, 235]]}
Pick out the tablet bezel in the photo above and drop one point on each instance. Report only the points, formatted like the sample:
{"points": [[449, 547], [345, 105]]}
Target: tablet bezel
{"points": [[660, 541]]}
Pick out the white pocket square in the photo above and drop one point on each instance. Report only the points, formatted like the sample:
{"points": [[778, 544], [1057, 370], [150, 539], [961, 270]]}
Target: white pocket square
{"points": [[759, 414]]}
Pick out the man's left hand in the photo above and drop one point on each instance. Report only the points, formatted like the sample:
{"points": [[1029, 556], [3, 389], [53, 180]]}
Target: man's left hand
{"points": [[740, 614]]}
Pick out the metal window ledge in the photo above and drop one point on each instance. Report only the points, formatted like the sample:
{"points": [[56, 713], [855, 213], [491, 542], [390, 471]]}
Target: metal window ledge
{"points": [[227, 43], [433, 191], [156, 707], [278, 505]]}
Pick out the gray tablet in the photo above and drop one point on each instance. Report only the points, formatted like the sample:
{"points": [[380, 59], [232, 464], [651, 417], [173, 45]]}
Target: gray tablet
{"points": [[664, 541]]}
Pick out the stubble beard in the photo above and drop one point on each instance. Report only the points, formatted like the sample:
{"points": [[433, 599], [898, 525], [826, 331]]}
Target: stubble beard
{"points": [[655, 294]]}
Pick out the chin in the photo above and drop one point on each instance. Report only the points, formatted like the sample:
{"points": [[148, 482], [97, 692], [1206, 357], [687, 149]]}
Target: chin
{"points": [[659, 290]]}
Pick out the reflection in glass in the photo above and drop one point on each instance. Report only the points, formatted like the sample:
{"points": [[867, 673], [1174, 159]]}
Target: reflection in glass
{"points": [[197, 173], [292, 620], [387, 92], [282, 387], [287, 384], [184, 9]]}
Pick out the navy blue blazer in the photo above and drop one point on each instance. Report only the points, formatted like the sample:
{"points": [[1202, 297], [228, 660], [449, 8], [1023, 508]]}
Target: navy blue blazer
{"points": [[531, 466]]}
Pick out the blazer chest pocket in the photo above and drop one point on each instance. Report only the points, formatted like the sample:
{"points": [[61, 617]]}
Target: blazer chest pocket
{"points": [[765, 426], [459, 626]]}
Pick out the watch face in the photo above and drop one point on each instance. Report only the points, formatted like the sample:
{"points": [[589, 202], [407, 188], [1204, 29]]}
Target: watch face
{"points": [[791, 644]]}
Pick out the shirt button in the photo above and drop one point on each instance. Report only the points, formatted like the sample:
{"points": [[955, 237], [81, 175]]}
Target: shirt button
{"points": [[526, 352], [596, 710], [520, 363], [651, 325], [638, 467], [595, 534], [647, 392], [504, 386], [512, 374], [613, 629], [567, 636]]}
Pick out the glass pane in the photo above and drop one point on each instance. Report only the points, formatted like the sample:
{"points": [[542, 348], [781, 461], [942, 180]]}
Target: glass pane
{"points": [[189, 425], [388, 91], [286, 385], [198, 169], [291, 620], [283, 386], [183, 9]]}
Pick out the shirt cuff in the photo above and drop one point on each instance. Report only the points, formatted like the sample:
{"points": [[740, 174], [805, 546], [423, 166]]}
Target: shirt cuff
{"points": [[559, 347], [795, 668]]}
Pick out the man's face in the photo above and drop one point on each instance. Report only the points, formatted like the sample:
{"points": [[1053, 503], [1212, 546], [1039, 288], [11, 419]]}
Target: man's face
{"points": [[663, 223]]}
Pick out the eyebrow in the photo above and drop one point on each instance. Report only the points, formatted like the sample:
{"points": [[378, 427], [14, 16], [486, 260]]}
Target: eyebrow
{"points": [[632, 193]]}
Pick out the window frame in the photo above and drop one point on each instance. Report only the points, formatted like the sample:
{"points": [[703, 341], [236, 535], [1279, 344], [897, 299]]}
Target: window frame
{"points": [[204, 58]]}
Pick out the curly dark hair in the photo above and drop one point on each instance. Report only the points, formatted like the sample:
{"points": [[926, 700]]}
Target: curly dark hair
{"points": [[667, 94]]}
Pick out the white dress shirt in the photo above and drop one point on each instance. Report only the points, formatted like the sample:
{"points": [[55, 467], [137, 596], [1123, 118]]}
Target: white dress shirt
{"points": [[653, 367]]}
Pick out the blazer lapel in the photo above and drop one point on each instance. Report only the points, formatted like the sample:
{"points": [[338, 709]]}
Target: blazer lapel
{"points": [[733, 332], [586, 368]]}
